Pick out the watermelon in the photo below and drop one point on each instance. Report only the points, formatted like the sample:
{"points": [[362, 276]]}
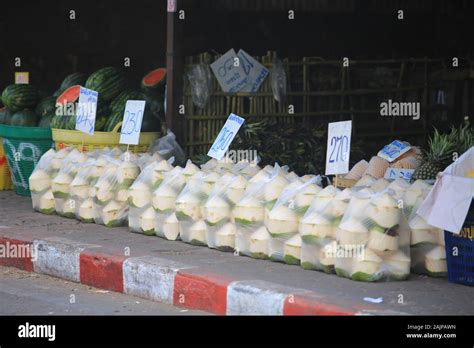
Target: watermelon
{"points": [[73, 79], [101, 116], [46, 106], [70, 95], [45, 121], [150, 122], [154, 82], [25, 118], [109, 82], [119, 102], [5, 116], [19, 97]]}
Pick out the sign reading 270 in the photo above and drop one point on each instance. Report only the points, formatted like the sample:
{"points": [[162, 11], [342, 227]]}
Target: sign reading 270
{"points": [[225, 136], [338, 147]]}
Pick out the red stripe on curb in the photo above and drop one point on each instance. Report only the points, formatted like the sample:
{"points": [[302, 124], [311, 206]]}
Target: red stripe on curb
{"points": [[305, 305], [101, 270], [25, 249], [206, 292]]}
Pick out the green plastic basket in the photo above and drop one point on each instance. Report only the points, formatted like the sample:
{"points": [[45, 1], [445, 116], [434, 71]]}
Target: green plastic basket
{"points": [[23, 147]]}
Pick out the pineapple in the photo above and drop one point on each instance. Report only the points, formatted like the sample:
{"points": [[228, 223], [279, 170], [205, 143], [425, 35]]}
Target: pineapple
{"points": [[438, 156]]}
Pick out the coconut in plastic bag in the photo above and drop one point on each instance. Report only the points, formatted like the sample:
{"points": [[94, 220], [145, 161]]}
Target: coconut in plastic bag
{"points": [[40, 184], [428, 253], [164, 204], [318, 228], [372, 239], [282, 224], [80, 191], [111, 191], [141, 213], [189, 207], [61, 184], [217, 211]]}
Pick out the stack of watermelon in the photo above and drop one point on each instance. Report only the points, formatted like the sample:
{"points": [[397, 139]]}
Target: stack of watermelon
{"points": [[25, 106]]}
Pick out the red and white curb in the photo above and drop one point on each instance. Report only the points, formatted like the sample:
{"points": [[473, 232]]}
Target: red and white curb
{"points": [[171, 282]]}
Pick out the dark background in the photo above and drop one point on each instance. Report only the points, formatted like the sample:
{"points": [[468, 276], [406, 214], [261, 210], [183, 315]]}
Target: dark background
{"points": [[104, 32]]}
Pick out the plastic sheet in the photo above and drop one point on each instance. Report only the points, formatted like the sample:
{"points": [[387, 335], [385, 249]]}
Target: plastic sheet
{"points": [[40, 184], [200, 77], [168, 147], [278, 80]]}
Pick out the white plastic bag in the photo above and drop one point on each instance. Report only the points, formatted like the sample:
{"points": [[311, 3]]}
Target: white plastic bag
{"points": [[373, 239], [40, 184], [283, 221], [200, 78], [164, 204], [168, 147]]}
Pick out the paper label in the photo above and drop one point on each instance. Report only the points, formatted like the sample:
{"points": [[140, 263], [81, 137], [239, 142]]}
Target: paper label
{"points": [[225, 136], [171, 5], [132, 122], [338, 147], [255, 72], [393, 150], [396, 173], [229, 72], [86, 111], [22, 77]]}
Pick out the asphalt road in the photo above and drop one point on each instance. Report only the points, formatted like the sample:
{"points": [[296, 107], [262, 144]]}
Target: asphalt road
{"points": [[24, 293]]}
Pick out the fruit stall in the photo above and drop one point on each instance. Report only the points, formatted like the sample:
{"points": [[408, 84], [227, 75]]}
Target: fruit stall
{"points": [[372, 222]]}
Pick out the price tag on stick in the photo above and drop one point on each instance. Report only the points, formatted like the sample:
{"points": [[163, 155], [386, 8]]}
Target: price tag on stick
{"points": [[338, 148], [132, 122], [86, 111], [225, 136]]}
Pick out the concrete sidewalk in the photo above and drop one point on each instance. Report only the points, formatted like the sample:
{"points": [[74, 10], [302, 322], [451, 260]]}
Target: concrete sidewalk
{"points": [[201, 278]]}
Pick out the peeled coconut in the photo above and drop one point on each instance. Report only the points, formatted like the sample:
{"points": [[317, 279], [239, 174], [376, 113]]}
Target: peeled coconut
{"points": [[281, 221], [248, 211], [147, 221], [398, 264], [422, 232], [188, 205], [259, 243], [236, 189], [197, 233], [352, 232], [292, 250], [382, 242], [292, 176], [306, 197], [190, 169], [435, 261], [171, 227], [60, 185], [46, 203], [399, 186], [39, 181], [86, 210], [216, 209], [323, 197], [260, 176], [139, 195], [274, 187], [112, 213], [122, 196], [366, 267], [315, 226], [127, 172], [164, 198], [225, 236], [384, 211]]}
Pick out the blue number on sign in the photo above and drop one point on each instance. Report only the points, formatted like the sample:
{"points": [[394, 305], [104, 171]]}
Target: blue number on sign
{"points": [[129, 118], [340, 146]]}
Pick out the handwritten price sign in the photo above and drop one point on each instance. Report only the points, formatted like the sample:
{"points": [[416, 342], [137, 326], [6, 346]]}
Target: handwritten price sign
{"points": [[225, 136], [393, 150], [395, 173], [86, 111], [132, 122], [338, 148]]}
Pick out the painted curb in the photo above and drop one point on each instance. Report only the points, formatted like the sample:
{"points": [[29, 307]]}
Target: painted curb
{"points": [[172, 282]]}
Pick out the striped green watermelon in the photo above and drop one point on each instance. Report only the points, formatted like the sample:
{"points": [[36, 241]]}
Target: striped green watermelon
{"points": [[24, 118], [119, 102], [5, 116], [109, 82], [73, 79], [20, 96], [46, 106], [154, 82]]}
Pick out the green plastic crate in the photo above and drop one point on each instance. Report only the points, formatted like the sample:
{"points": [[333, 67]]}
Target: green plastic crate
{"points": [[23, 147]]}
